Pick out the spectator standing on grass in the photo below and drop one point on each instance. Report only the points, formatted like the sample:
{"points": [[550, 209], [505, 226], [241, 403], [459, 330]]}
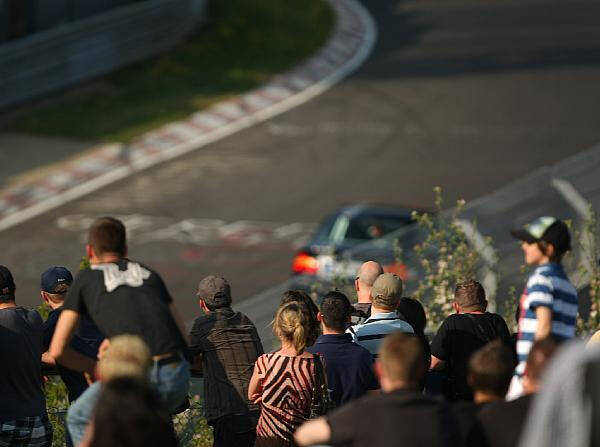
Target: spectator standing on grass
{"points": [[129, 412], [385, 294], [365, 277], [121, 297], [502, 422], [400, 415], [349, 366], [549, 303], [23, 418], [225, 344], [55, 283], [283, 381], [463, 333], [489, 373]]}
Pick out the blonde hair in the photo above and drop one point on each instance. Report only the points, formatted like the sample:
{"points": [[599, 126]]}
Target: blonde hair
{"points": [[292, 322], [126, 356]]}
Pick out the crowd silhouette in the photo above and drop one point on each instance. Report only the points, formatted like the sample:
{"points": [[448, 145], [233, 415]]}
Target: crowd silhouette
{"points": [[347, 374]]}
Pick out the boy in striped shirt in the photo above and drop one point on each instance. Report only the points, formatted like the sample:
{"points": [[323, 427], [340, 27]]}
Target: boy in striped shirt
{"points": [[548, 305]]}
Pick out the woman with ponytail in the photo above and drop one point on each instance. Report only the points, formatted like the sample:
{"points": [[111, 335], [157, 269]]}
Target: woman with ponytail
{"points": [[283, 381]]}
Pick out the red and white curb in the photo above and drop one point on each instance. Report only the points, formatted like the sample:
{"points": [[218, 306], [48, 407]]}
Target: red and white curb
{"points": [[350, 44]]}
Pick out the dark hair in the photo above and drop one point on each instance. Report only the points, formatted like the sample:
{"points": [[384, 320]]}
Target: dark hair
{"points": [[335, 310], [130, 414], [469, 294], [540, 353], [107, 235], [559, 236], [300, 296], [413, 312], [491, 369]]}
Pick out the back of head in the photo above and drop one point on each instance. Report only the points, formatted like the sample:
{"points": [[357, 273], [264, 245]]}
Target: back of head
{"points": [[215, 291], [107, 235], [7, 285], [368, 273], [304, 299], [470, 295], [387, 291], [540, 354], [300, 296], [292, 323], [127, 356], [401, 356], [130, 414], [491, 369], [414, 313], [55, 282], [558, 235], [335, 310]]}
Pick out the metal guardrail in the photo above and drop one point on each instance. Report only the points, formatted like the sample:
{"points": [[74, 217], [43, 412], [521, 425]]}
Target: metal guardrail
{"points": [[77, 51]]}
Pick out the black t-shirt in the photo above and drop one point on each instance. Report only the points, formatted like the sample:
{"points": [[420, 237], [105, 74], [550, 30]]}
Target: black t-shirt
{"points": [[392, 419], [86, 341], [21, 392], [459, 336], [503, 422], [127, 298], [468, 424]]}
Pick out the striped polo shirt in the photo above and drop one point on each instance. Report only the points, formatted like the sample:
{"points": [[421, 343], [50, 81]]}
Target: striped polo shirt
{"points": [[370, 333], [547, 286]]}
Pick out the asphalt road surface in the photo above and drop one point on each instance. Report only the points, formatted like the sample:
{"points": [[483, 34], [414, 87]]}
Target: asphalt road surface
{"points": [[468, 95]]}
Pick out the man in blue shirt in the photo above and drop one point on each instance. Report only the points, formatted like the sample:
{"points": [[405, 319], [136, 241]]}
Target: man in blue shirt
{"points": [[385, 293], [349, 366], [54, 286]]}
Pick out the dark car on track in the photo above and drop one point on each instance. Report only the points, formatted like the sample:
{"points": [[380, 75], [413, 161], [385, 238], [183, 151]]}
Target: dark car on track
{"points": [[326, 254]]}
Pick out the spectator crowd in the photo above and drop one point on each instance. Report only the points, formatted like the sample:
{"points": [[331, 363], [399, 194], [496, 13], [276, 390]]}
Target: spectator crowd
{"points": [[345, 374]]}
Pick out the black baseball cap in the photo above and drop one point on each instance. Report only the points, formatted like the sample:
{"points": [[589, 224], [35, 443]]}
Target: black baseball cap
{"points": [[7, 284], [215, 291], [548, 229], [54, 277]]}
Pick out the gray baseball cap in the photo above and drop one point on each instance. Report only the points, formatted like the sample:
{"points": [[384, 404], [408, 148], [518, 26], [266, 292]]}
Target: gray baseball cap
{"points": [[387, 288], [215, 291]]}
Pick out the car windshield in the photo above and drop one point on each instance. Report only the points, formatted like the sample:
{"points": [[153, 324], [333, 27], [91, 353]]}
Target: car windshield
{"points": [[342, 228]]}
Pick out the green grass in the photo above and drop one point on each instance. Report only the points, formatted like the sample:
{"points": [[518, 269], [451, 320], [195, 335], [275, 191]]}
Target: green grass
{"points": [[242, 45]]}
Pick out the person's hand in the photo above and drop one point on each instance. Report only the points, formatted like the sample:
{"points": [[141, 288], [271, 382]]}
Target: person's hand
{"points": [[256, 398], [103, 348], [88, 378], [91, 377]]}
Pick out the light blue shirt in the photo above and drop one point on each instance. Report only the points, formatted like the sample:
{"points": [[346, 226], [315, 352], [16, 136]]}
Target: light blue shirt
{"points": [[370, 333]]}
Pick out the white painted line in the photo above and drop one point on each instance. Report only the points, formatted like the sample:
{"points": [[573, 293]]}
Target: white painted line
{"points": [[171, 149], [572, 196], [207, 119], [183, 130], [231, 110]]}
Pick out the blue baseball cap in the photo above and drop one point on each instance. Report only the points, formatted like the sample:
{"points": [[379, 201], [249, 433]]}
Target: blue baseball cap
{"points": [[54, 277]]}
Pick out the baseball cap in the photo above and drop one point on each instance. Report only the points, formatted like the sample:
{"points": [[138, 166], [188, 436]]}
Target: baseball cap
{"points": [[215, 291], [387, 288], [7, 283], [55, 276], [548, 229]]}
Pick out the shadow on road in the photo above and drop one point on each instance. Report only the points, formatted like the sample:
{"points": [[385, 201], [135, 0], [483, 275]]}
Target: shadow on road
{"points": [[441, 38]]}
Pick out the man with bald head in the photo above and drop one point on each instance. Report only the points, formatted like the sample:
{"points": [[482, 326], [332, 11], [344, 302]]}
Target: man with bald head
{"points": [[365, 277]]}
